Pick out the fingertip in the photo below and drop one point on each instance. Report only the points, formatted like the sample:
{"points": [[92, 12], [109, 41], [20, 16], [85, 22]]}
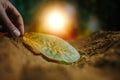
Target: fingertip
{"points": [[16, 33], [22, 30]]}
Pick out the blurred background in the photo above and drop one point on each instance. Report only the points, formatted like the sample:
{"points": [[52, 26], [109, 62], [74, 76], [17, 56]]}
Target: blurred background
{"points": [[69, 19]]}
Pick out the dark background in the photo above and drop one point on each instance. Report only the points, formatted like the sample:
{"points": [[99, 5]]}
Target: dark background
{"points": [[107, 11]]}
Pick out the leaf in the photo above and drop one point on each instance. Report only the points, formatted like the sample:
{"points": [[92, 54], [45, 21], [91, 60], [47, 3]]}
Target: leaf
{"points": [[50, 46]]}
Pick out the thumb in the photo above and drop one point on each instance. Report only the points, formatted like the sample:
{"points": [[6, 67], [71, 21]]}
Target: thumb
{"points": [[7, 22]]}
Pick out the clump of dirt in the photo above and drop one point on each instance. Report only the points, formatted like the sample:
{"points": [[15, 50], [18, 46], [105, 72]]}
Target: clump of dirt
{"points": [[100, 60]]}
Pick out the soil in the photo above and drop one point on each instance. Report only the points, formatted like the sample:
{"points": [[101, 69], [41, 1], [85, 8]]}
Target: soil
{"points": [[100, 60]]}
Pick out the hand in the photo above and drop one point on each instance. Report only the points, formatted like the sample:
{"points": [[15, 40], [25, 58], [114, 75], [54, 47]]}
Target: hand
{"points": [[11, 19]]}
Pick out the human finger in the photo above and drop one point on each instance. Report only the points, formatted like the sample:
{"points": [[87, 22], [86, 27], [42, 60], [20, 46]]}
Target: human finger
{"points": [[8, 24], [17, 18]]}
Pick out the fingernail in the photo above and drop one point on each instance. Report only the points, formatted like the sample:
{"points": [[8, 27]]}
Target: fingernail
{"points": [[16, 33]]}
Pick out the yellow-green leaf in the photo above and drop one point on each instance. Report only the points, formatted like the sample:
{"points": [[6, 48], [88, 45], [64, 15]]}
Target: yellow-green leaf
{"points": [[52, 47]]}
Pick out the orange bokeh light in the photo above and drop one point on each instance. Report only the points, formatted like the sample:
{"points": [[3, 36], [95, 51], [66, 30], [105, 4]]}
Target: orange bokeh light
{"points": [[57, 19]]}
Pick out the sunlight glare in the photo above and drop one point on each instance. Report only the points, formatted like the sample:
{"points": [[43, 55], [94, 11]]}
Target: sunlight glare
{"points": [[56, 21]]}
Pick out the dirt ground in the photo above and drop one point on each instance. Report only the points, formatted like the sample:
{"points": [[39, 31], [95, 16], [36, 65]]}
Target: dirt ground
{"points": [[100, 60]]}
